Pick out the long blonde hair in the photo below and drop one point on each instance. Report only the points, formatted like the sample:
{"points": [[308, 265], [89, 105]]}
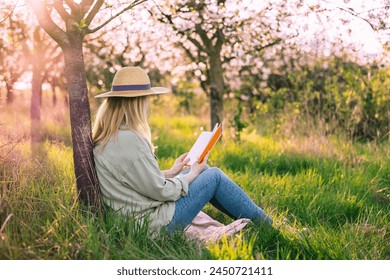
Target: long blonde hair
{"points": [[121, 112]]}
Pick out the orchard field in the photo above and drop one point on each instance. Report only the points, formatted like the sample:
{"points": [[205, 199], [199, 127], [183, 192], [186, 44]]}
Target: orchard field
{"points": [[301, 87], [328, 197]]}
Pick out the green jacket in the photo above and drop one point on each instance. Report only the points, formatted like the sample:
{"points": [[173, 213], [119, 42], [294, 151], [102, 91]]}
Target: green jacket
{"points": [[131, 181]]}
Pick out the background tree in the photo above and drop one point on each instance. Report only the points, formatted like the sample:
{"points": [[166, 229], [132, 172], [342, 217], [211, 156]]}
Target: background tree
{"points": [[68, 22], [138, 41], [29, 50], [108, 58], [44, 55], [216, 35], [13, 52]]}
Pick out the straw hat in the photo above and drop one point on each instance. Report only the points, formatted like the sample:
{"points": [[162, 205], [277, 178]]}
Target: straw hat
{"points": [[132, 82]]}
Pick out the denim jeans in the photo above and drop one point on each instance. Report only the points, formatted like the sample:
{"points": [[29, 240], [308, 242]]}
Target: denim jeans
{"points": [[212, 185]]}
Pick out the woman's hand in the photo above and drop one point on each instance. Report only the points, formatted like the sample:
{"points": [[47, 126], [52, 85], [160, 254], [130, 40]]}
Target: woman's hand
{"points": [[197, 168], [177, 166]]}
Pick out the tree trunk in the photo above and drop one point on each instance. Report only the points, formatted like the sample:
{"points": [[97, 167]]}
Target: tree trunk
{"points": [[66, 100], [217, 88], [35, 109], [80, 118], [53, 90], [10, 93]]}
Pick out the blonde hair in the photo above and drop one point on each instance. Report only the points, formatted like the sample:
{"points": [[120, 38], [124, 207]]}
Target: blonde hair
{"points": [[121, 112]]}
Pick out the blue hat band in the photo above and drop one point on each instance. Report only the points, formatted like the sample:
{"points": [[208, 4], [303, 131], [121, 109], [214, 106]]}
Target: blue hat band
{"points": [[130, 87]]}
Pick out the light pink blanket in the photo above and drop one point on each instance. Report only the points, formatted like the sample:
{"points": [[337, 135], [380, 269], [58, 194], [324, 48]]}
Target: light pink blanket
{"points": [[205, 228]]}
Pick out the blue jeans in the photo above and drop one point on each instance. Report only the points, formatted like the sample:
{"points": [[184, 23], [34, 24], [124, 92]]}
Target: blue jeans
{"points": [[212, 185]]}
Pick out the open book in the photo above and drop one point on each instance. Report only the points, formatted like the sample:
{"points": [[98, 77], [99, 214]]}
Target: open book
{"points": [[204, 144]]}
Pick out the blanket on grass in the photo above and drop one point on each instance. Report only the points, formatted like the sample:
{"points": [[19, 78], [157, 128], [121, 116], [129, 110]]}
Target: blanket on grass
{"points": [[205, 228]]}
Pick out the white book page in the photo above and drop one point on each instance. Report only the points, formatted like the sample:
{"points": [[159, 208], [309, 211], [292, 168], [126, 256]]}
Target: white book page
{"points": [[199, 146]]}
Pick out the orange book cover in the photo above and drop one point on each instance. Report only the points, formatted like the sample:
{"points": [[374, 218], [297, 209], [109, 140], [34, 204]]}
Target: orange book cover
{"points": [[204, 144]]}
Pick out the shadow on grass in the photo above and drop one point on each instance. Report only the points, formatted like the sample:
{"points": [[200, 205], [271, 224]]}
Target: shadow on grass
{"points": [[275, 164], [127, 238], [272, 244]]}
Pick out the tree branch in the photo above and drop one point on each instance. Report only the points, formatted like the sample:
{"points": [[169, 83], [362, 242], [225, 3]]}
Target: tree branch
{"points": [[352, 12], [203, 35], [277, 41], [179, 32], [220, 39], [10, 13], [228, 59], [195, 42], [57, 4], [95, 9], [188, 52], [86, 5], [47, 23], [132, 5], [72, 5]]}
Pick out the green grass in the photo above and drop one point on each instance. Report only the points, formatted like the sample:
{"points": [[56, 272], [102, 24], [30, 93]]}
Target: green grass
{"points": [[328, 201]]}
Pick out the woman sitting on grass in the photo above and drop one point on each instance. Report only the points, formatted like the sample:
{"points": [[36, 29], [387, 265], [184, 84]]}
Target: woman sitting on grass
{"points": [[129, 176]]}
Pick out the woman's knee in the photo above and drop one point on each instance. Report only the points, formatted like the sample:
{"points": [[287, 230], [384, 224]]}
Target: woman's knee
{"points": [[213, 171], [216, 174], [211, 176]]}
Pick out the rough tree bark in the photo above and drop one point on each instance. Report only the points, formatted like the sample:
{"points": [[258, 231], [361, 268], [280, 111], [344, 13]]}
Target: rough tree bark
{"points": [[80, 122], [70, 42]]}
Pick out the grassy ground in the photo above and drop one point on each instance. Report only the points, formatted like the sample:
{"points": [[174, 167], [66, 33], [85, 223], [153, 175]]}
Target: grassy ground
{"points": [[329, 198]]}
